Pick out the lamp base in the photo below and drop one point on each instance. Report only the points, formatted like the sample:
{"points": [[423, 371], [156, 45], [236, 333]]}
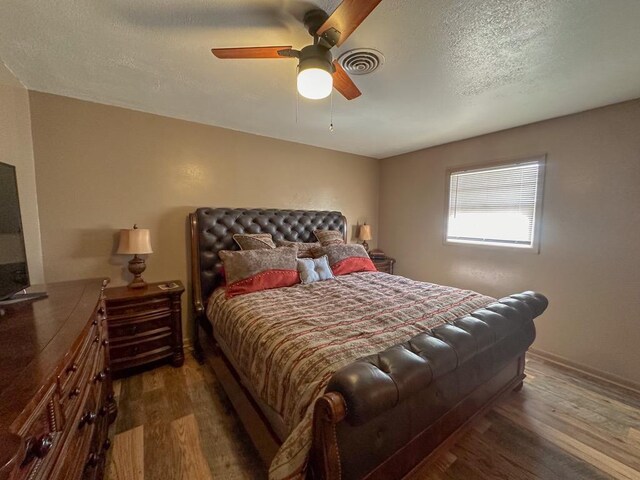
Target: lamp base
{"points": [[366, 246], [136, 267]]}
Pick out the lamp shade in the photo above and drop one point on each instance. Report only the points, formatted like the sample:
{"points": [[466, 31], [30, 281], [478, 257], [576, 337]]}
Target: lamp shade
{"points": [[134, 241], [365, 232]]}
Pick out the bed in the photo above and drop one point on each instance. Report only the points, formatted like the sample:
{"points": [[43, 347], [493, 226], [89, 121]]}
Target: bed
{"points": [[363, 376]]}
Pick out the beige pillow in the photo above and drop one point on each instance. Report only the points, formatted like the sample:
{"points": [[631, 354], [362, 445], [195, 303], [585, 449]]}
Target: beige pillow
{"points": [[254, 241], [346, 258], [249, 271], [304, 249], [329, 237]]}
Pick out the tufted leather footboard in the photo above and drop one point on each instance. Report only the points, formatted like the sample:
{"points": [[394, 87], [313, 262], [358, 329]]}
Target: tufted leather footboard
{"points": [[383, 414]]}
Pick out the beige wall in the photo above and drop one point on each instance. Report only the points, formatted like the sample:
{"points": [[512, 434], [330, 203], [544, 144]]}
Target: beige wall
{"points": [[16, 149], [103, 168], [589, 264]]}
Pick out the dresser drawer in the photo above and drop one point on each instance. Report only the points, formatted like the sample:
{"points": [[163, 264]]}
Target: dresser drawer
{"points": [[122, 330], [81, 432], [137, 307], [41, 432], [74, 369], [124, 355], [90, 364]]}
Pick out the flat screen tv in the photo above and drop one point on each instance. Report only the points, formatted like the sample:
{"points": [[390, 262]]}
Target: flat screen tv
{"points": [[14, 273]]}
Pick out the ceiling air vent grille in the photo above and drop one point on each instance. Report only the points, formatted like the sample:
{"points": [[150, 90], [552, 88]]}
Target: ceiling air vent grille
{"points": [[361, 61]]}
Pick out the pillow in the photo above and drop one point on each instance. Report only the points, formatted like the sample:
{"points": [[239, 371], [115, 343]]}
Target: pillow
{"points": [[249, 271], [346, 258], [314, 269], [304, 249], [254, 241], [329, 237]]}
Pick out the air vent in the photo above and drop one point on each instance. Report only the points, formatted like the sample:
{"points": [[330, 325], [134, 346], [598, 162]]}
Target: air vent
{"points": [[361, 61]]}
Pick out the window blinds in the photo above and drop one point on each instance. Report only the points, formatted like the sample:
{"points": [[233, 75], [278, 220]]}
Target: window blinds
{"points": [[495, 206]]}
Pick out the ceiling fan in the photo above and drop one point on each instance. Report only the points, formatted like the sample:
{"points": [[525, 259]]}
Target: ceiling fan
{"points": [[318, 73]]}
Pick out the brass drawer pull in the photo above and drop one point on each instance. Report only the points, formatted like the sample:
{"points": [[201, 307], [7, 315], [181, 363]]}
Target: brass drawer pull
{"points": [[72, 368], [74, 393]]}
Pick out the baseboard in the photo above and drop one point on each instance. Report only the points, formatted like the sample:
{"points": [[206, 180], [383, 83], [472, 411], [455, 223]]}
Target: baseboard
{"points": [[592, 372]]}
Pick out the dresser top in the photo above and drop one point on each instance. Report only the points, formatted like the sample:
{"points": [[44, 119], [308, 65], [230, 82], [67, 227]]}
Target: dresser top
{"points": [[35, 337]]}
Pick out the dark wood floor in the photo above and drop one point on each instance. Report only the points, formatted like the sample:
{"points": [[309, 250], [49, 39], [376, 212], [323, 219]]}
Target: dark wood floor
{"points": [[178, 424]]}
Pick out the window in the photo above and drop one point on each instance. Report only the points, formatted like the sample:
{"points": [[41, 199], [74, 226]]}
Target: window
{"points": [[499, 205]]}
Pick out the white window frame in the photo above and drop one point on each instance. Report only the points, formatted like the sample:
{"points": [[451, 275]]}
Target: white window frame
{"points": [[537, 226]]}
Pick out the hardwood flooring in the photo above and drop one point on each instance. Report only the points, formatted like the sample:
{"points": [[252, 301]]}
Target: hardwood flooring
{"points": [[179, 424]]}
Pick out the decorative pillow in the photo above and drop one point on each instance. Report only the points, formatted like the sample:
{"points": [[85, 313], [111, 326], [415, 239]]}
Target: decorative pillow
{"points": [[314, 269], [254, 241], [346, 258], [249, 271], [329, 237], [304, 249]]}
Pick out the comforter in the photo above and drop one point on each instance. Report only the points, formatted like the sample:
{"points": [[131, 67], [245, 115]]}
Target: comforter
{"points": [[289, 341]]}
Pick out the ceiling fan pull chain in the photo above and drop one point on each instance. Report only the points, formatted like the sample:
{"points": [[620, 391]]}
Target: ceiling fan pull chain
{"points": [[331, 118]]}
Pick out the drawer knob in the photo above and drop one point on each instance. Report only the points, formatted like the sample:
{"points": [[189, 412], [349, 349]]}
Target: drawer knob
{"points": [[74, 393], [39, 447], [88, 418], [104, 411], [94, 323], [96, 339], [105, 342], [100, 377], [92, 460], [72, 368], [106, 445]]}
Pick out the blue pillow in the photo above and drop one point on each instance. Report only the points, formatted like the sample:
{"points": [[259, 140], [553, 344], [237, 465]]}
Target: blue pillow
{"points": [[314, 269]]}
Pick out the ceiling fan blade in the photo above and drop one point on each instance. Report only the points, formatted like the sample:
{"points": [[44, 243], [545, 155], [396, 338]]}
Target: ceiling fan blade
{"points": [[250, 52], [342, 83], [345, 19]]}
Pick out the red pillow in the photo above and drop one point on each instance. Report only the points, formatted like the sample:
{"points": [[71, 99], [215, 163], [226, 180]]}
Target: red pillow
{"points": [[346, 258], [249, 271]]}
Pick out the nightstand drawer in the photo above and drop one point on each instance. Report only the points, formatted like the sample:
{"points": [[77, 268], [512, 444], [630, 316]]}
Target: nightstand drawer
{"points": [[138, 325], [138, 307], [125, 353]]}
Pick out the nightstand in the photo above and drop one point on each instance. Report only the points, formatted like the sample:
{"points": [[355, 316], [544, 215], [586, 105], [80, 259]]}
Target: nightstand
{"points": [[384, 264], [145, 325]]}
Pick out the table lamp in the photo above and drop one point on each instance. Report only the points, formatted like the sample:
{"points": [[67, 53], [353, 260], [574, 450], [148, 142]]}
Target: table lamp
{"points": [[135, 241], [364, 234]]}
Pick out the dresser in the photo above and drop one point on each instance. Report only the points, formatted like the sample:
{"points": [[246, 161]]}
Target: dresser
{"points": [[56, 398], [145, 326]]}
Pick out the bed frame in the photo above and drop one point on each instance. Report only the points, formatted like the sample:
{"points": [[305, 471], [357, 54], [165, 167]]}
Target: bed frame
{"points": [[385, 415]]}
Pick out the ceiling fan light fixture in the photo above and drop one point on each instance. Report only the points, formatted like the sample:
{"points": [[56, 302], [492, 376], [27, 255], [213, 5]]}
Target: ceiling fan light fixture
{"points": [[315, 72], [314, 83]]}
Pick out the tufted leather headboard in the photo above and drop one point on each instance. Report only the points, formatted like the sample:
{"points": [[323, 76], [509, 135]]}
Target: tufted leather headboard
{"points": [[212, 230]]}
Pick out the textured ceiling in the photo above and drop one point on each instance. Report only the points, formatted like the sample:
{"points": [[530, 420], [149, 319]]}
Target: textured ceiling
{"points": [[454, 68]]}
